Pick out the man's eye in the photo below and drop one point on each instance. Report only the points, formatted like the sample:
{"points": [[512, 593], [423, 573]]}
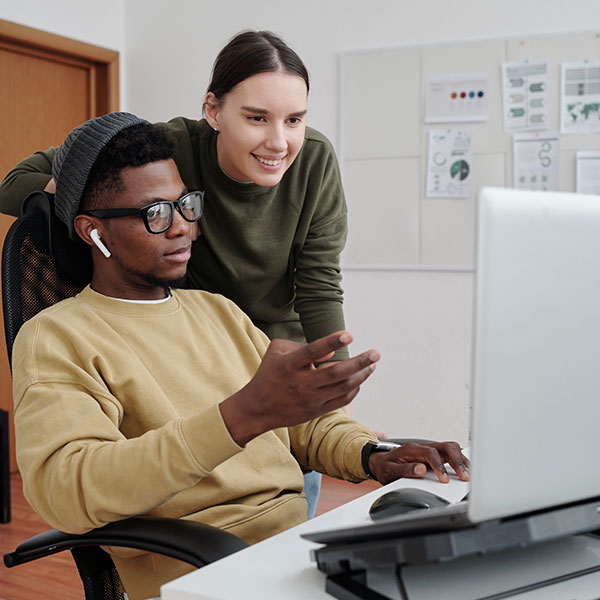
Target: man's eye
{"points": [[256, 118], [155, 211]]}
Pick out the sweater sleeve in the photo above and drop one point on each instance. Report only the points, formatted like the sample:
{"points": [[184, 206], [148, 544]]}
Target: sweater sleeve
{"points": [[331, 444], [79, 470], [32, 173], [319, 295]]}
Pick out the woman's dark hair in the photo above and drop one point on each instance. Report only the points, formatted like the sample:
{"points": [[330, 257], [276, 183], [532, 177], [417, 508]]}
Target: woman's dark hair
{"points": [[249, 53]]}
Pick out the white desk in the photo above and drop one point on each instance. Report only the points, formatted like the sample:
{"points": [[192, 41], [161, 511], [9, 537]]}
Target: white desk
{"points": [[280, 567]]}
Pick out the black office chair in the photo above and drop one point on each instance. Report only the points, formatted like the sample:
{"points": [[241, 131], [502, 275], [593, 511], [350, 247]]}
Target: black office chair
{"points": [[4, 469], [40, 266]]}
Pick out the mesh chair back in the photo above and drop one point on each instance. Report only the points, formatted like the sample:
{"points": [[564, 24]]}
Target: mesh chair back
{"points": [[41, 265]]}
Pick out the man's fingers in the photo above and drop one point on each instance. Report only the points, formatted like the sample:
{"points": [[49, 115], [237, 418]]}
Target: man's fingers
{"points": [[344, 377], [345, 369], [436, 454], [457, 460], [341, 393], [340, 401], [437, 465], [322, 359], [408, 470], [281, 346], [319, 349], [426, 454]]}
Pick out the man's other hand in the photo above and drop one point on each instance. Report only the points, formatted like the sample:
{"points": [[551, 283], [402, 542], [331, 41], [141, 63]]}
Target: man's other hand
{"points": [[414, 460]]}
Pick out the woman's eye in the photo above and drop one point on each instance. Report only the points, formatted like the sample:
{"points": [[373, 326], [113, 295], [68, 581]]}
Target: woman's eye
{"points": [[256, 118]]}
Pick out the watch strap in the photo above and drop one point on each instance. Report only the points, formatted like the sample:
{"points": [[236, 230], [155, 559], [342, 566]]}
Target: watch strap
{"points": [[371, 447]]}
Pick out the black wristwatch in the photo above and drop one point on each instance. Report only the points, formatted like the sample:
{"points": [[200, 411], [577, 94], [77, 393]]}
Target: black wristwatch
{"points": [[371, 447]]}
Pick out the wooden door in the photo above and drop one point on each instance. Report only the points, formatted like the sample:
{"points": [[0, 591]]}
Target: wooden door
{"points": [[50, 85]]}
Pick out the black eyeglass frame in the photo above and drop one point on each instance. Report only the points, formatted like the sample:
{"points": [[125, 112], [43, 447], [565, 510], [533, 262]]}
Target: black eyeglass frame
{"points": [[113, 213]]}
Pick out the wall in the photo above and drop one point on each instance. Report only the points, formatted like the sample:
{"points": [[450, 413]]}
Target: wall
{"points": [[420, 320], [171, 44]]}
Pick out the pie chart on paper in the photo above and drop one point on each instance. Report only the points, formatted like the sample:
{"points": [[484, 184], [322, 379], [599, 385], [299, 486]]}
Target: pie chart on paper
{"points": [[459, 170]]}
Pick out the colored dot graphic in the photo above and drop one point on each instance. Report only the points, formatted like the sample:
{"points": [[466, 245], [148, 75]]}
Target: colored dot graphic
{"points": [[471, 94]]}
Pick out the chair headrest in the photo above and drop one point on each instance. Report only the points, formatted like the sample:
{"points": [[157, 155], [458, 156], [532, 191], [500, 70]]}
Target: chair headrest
{"points": [[73, 259]]}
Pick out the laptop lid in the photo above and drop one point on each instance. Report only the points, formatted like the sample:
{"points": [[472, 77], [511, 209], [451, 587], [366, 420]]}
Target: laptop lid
{"points": [[536, 352]]}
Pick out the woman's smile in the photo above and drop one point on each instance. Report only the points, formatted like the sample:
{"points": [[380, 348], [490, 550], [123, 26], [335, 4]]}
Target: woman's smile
{"points": [[261, 126]]}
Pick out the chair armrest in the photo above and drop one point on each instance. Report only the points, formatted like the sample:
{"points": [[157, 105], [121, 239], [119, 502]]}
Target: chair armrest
{"points": [[195, 543]]}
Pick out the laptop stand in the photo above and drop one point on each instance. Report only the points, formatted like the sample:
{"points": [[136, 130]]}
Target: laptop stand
{"points": [[533, 568], [347, 564]]}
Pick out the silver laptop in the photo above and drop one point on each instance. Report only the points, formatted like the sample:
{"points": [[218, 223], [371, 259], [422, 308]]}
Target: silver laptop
{"points": [[536, 364]]}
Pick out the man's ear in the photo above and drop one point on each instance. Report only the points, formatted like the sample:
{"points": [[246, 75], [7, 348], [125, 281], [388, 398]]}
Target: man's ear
{"points": [[84, 225], [211, 110], [87, 230]]}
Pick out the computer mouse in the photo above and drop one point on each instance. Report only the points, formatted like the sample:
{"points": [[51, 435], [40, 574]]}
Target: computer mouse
{"points": [[398, 502]]}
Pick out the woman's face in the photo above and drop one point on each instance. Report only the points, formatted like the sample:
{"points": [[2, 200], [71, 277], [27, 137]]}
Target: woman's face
{"points": [[261, 126]]}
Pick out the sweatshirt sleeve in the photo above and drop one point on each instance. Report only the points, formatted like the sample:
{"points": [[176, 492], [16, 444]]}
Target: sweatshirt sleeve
{"points": [[319, 294], [332, 444], [79, 470], [32, 173]]}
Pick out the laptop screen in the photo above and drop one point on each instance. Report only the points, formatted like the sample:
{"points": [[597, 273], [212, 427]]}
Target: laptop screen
{"points": [[536, 352]]}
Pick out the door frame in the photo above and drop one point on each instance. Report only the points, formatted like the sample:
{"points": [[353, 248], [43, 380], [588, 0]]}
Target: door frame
{"points": [[103, 68], [105, 62]]}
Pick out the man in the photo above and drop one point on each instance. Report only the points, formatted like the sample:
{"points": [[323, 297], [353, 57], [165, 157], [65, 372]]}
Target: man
{"points": [[138, 398]]}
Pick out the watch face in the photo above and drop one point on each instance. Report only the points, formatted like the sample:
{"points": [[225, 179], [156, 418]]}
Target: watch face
{"points": [[386, 446]]}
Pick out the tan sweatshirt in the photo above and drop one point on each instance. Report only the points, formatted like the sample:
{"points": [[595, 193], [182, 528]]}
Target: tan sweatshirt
{"points": [[116, 414]]}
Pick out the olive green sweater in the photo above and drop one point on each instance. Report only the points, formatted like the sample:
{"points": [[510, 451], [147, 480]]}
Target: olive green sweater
{"points": [[274, 251], [117, 414]]}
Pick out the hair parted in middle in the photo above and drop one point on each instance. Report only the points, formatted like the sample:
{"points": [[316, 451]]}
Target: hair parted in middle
{"points": [[249, 53]]}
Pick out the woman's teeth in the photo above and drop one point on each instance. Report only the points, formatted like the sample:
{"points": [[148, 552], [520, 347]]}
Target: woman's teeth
{"points": [[266, 161]]}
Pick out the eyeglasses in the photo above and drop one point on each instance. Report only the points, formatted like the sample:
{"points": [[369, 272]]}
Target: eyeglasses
{"points": [[158, 216]]}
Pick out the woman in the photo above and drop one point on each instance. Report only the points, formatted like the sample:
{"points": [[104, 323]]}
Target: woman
{"points": [[275, 215]]}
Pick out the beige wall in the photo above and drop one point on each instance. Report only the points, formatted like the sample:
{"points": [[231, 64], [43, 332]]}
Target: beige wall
{"points": [[419, 319]]}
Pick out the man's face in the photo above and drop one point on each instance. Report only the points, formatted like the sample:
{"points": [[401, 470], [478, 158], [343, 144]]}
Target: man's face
{"points": [[141, 263]]}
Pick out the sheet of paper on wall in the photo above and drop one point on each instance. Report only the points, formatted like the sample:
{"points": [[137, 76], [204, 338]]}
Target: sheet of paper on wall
{"points": [[588, 172], [580, 97], [449, 163], [457, 98], [525, 95], [536, 164]]}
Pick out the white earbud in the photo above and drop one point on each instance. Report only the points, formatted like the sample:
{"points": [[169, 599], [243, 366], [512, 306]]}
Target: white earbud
{"points": [[96, 239]]}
